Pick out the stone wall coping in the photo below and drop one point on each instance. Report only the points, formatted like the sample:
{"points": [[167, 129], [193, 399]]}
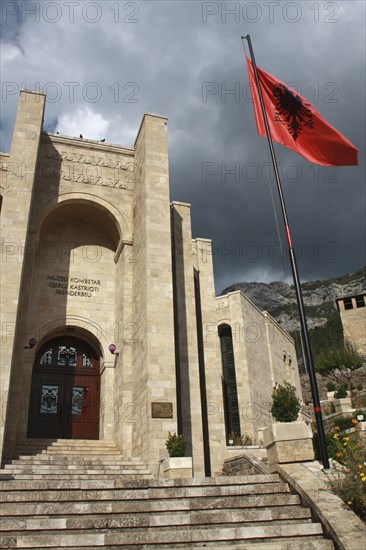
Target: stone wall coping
{"points": [[89, 144], [254, 459], [339, 522], [265, 314], [339, 414], [201, 240], [278, 326], [179, 203], [34, 92]]}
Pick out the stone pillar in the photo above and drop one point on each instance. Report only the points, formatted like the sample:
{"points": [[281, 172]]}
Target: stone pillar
{"points": [[212, 356], [17, 259], [153, 376], [188, 379]]}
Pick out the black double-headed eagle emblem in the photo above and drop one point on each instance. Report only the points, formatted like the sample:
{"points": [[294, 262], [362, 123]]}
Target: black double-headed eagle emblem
{"points": [[292, 110]]}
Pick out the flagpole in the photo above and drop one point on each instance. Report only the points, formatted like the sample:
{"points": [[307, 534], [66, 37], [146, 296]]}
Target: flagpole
{"points": [[304, 328]]}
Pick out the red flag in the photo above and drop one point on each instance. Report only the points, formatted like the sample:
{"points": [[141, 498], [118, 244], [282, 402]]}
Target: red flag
{"points": [[297, 124]]}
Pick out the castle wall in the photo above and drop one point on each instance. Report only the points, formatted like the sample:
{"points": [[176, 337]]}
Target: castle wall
{"points": [[354, 322]]}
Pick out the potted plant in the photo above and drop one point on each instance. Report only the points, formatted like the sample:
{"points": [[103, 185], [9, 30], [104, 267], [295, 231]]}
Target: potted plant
{"points": [[342, 401], [176, 465], [288, 439]]}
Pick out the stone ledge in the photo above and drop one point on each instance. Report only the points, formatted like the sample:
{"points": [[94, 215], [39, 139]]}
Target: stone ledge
{"points": [[286, 431], [339, 522]]}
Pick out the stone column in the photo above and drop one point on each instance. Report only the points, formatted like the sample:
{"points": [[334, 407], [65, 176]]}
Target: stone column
{"points": [[212, 356], [188, 379], [153, 376], [17, 258]]}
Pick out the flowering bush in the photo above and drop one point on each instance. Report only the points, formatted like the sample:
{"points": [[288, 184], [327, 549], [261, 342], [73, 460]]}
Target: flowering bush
{"points": [[350, 450]]}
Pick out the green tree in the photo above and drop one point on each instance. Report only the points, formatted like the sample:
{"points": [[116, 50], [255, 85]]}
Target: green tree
{"points": [[338, 363], [285, 403]]}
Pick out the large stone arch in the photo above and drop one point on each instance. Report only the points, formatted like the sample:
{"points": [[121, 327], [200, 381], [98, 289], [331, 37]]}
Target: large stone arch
{"points": [[109, 213], [84, 329]]}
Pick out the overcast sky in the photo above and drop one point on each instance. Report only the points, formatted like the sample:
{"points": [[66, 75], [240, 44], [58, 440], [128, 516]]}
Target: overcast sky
{"points": [[103, 64]]}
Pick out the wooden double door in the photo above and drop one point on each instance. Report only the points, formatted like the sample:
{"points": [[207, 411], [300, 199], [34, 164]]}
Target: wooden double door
{"points": [[65, 392]]}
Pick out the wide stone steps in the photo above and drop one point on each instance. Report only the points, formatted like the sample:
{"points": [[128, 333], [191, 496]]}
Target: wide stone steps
{"points": [[158, 519], [68, 447], [288, 544], [42, 459], [259, 511]]}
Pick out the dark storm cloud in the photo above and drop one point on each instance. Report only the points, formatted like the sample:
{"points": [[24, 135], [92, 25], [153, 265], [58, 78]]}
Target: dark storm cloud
{"points": [[185, 60]]}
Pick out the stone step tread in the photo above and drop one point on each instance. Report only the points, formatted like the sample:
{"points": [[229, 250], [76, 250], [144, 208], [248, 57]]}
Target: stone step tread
{"points": [[65, 508], [157, 519], [72, 468], [34, 448], [46, 459], [55, 451], [170, 493], [133, 474], [91, 442], [156, 536], [312, 543], [120, 527], [67, 446], [209, 482]]}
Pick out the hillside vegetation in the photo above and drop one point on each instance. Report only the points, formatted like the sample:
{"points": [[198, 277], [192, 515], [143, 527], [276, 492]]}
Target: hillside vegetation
{"points": [[325, 327]]}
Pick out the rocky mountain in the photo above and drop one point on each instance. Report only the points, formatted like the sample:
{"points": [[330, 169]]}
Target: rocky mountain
{"points": [[279, 299]]}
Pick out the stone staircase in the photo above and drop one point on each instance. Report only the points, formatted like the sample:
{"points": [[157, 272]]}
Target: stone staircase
{"points": [[62, 459], [53, 502]]}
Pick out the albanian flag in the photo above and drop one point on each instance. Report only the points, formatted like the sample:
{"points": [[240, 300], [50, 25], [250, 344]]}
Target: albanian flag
{"points": [[297, 124]]}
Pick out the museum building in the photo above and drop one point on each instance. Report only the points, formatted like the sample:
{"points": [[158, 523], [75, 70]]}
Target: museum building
{"points": [[110, 325]]}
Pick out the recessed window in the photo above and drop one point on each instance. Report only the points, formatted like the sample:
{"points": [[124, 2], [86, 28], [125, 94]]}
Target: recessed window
{"points": [[231, 405], [347, 303]]}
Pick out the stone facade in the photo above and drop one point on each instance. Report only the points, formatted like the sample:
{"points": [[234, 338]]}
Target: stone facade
{"points": [[264, 355], [93, 249], [353, 316]]}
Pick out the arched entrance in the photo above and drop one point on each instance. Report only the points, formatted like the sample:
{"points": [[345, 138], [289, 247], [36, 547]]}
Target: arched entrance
{"points": [[65, 391]]}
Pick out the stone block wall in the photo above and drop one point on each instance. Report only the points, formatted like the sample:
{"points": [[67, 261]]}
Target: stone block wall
{"points": [[264, 355], [354, 321]]}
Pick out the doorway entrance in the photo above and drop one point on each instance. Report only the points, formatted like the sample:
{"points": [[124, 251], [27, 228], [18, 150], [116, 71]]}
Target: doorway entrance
{"points": [[65, 391]]}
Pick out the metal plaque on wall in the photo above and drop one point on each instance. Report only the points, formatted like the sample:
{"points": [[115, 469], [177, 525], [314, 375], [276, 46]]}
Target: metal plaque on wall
{"points": [[162, 410]]}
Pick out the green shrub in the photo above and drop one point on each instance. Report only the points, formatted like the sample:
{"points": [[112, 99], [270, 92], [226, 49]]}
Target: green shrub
{"points": [[331, 386], [285, 403], [344, 423], [341, 391], [176, 445]]}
